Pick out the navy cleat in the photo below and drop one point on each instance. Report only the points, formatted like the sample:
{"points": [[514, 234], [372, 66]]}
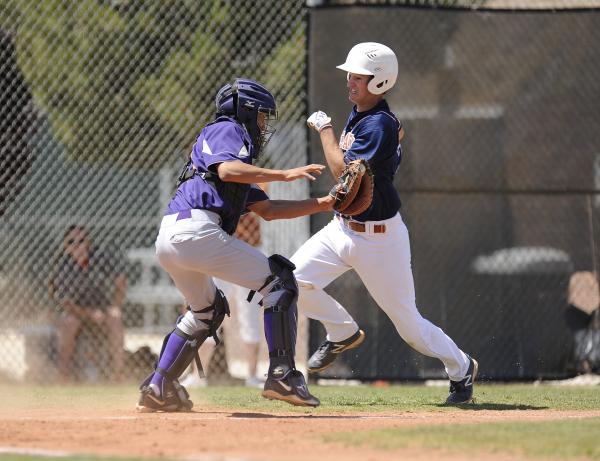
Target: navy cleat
{"points": [[462, 391], [327, 352], [291, 388], [175, 398]]}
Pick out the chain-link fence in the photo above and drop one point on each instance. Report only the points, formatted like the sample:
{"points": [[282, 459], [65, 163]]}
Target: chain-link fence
{"points": [[101, 100], [499, 179]]}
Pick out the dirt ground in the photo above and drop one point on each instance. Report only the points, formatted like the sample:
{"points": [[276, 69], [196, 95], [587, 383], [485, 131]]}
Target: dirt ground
{"points": [[211, 434]]}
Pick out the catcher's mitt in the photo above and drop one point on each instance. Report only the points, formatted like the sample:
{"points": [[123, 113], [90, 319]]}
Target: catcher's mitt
{"points": [[353, 193]]}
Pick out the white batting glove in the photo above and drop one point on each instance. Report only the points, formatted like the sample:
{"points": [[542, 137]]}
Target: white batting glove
{"points": [[319, 120]]}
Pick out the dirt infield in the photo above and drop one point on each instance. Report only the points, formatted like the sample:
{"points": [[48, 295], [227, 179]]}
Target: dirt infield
{"points": [[211, 433]]}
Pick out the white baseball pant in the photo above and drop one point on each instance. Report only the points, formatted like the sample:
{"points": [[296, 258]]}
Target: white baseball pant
{"points": [[248, 314], [382, 261], [195, 249]]}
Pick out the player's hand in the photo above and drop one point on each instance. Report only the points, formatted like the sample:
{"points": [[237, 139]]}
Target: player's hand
{"points": [[319, 120], [308, 172], [326, 202]]}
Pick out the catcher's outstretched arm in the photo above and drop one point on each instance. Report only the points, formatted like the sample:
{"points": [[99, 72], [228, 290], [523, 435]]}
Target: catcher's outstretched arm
{"points": [[287, 209], [237, 171]]}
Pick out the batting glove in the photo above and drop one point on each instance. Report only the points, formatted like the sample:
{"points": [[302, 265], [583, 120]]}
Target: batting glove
{"points": [[319, 120]]}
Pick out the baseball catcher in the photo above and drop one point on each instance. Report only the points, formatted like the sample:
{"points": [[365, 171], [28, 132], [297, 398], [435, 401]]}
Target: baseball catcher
{"points": [[196, 243]]}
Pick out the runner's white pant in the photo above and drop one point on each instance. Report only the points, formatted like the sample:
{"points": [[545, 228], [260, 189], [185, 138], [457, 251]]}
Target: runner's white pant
{"points": [[195, 249], [383, 263], [248, 314]]}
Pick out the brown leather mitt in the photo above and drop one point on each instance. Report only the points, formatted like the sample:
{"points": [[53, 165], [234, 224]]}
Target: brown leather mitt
{"points": [[353, 193]]}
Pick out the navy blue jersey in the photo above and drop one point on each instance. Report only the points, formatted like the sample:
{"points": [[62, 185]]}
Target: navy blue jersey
{"points": [[374, 136], [224, 140]]}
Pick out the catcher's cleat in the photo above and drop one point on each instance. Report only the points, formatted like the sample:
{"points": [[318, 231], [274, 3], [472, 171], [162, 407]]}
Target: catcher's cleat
{"points": [[462, 391], [291, 388], [175, 399], [327, 352]]}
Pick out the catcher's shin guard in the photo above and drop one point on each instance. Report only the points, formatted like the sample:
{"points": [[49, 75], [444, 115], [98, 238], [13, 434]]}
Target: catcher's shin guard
{"points": [[161, 391], [178, 351], [179, 348], [221, 309], [280, 294]]}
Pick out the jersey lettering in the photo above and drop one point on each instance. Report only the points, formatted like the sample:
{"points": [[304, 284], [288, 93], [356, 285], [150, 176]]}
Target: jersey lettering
{"points": [[346, 140]]}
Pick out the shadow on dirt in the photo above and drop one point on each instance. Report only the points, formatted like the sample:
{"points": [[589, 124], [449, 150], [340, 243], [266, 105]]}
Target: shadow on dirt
{"points": [[492, 406], [471, 406]]}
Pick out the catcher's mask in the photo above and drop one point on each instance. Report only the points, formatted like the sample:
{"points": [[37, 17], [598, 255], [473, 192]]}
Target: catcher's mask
{"points": [[373, 59], [245, 100]]}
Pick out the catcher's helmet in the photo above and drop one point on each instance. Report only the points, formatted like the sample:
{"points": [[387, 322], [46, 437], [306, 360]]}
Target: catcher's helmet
{"points": [[374, 59], [244, 100], [224, 101]]}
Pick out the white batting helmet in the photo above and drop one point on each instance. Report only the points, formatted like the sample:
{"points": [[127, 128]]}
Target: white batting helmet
{"points": [[374, 59]]}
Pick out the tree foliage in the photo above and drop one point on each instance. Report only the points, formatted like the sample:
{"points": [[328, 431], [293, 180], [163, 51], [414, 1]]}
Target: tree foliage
{"points": [[117, 78]]}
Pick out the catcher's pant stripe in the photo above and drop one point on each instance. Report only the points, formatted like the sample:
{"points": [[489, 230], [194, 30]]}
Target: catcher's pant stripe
{"points": [[193, 215]]}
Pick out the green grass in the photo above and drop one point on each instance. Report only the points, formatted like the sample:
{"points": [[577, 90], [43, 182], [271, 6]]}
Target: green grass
{"points": [[565, 439], [355, 399], [369, 399]]}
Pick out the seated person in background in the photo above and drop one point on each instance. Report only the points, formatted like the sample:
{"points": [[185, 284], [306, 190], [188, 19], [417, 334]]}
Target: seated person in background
{"points": [[583, 318], [89, 284]]}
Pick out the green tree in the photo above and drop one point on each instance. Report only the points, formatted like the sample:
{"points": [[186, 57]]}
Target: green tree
{"points": [[130, 81]]}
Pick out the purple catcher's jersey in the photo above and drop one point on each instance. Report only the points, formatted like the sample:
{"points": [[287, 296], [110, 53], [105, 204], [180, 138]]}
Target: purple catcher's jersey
{"points": [[374, 136], [224, 140]]}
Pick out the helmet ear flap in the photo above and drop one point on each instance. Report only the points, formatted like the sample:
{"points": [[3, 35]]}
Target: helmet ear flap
{"points": [[375, 85]]}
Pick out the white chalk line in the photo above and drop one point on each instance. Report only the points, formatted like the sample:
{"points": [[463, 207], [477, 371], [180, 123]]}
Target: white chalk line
{"points": [[64, 454], [186, 416]]}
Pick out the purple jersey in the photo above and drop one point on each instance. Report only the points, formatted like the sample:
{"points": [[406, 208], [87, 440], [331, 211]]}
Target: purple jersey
{"points": [[224, 140], [374, 136]]}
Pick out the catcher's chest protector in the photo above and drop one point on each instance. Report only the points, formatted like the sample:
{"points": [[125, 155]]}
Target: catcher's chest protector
{"points": [[232, 193], [235, 196]]}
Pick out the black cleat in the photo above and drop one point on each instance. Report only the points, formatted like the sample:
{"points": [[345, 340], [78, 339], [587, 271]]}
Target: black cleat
{"points": [[291, 388], [462, 391], [176, 399], [327, 352]]}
